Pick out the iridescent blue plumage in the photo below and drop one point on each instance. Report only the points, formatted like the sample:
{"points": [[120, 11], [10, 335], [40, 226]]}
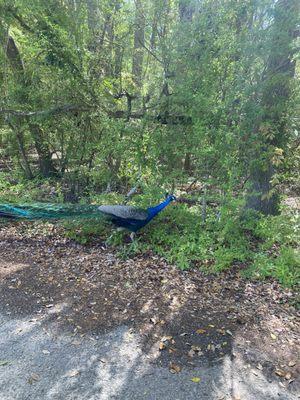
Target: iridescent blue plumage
{"points": [[133, 218], [128, 217]]}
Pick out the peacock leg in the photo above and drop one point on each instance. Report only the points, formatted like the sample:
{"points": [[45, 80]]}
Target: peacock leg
{"points": [[132, 236]]}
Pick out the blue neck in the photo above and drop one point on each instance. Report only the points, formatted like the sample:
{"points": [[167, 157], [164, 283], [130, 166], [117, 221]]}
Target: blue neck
{"points": [[152, 211]]}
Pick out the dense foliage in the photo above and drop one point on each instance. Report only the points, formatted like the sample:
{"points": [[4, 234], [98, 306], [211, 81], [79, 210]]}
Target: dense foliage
{"points": [[200, 97]]}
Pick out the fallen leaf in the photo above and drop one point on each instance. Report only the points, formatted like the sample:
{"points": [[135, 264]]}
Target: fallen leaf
{"points": [[161, 346], [174, 368], [292, 363], [191, 353], [73, 372], [166, 338], [288, 376], [274, 337], [33, 378], [196, 379], [259, 366], [4, 362], [200, 331], [280, 372], [229, 332]]}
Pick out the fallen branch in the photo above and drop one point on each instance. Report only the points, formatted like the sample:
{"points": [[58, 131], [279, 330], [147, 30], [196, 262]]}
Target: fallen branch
{"points": [[57, 110], [71, 108], [193, 202]]}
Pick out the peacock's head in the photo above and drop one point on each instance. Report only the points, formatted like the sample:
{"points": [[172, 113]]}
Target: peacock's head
{"points": [[170, 197]]}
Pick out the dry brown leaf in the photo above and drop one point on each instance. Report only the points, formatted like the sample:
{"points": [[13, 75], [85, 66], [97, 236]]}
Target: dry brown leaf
{"points": [[162, 346], [200, 331], [280, 372], [172, 350], [292, 363], [288, 376], [174, 368]]}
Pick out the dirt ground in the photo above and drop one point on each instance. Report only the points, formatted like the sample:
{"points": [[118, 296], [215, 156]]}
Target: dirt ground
{"points": [[184, 320]]}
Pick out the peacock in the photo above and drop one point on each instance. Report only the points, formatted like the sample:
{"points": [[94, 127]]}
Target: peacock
{"points": [[122, 216]]}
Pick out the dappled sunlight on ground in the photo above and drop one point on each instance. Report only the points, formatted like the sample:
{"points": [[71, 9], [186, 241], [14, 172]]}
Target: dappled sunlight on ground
{"points": [[9, 268], [41, 365], [78, 323]]}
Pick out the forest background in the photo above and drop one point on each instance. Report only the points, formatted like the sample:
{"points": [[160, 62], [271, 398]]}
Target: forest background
{"points": [[199, 98]]}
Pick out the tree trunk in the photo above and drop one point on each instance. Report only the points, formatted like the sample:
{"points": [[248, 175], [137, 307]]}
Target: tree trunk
{"points": [[186, 10], [139, 42], [46, 166], [93, 17], [24, 160], [261, 197], [14, 57], [118, 50], [279, 71]]}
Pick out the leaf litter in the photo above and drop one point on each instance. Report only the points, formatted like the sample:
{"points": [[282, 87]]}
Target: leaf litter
{"points": [[189, 313]]}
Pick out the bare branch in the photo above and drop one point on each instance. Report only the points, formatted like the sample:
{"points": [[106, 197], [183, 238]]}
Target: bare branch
{"points": [[57, 110]]}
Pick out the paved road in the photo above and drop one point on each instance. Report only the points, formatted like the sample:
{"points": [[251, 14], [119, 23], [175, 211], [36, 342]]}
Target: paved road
{"points": [[38, 364]]}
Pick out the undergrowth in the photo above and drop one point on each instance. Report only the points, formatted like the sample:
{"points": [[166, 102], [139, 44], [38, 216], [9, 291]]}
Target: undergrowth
{"points": [[264, 247]]}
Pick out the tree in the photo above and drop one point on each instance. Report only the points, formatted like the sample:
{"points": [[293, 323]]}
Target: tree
{"points": [[271, 128]]}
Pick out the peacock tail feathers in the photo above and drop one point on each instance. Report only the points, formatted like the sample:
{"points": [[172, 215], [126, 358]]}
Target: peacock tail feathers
{"points": [[124, 216], [48, 211]]}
